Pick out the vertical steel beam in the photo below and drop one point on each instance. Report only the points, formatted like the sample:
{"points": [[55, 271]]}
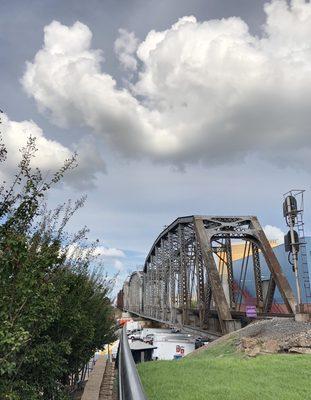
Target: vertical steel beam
{"points": [[183, 274], [153, 287], [207, 300], [147, 292], [269, 295], [166, 278], [200, 283], [230, 272], [257, 277], [204, 293], [157, 283], [161, 266], [172, 278]]}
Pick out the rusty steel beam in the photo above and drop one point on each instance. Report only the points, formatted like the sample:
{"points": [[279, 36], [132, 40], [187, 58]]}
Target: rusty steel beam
{"points": [[214, 278]]}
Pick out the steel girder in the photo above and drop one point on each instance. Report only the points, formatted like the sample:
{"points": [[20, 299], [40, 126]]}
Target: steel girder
{"points": [[183, 280]]}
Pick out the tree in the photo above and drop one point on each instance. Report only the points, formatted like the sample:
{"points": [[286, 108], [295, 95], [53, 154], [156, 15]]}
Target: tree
{"points": [[54, 311]]}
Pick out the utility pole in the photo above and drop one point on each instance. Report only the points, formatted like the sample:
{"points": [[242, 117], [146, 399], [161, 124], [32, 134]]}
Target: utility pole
{"points": [[291, 239]]}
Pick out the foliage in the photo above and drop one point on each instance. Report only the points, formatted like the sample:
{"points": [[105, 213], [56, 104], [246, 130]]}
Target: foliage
{"points": [[54, 312]]}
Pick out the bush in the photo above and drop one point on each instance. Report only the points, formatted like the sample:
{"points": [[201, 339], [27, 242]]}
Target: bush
{"points": [[54, 312]]}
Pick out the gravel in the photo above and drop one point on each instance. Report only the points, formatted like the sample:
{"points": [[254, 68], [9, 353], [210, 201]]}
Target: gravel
{"points": [[287, 332], [275, 328]]}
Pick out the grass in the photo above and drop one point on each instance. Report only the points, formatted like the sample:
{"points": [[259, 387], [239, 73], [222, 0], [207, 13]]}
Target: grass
{"points": [[221, 373]]}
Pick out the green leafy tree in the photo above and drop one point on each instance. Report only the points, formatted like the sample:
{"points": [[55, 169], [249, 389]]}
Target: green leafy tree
{"points": [[54, 304]]}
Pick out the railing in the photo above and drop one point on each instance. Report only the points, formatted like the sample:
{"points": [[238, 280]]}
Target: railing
{"points": [[77, 379], [130, 387]]}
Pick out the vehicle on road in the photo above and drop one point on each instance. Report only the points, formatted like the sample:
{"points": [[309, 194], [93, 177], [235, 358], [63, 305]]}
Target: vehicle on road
{"points": [[149, 338], [135, 334]]}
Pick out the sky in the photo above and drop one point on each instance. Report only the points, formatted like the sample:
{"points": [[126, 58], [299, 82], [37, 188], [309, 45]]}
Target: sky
{"points": [[175, 108]]}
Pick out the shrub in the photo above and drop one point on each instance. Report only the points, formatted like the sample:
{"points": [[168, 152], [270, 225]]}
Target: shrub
{"points": [[54, 303]]}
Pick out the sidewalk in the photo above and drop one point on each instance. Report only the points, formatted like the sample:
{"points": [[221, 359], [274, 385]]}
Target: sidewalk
{"points": [[92, 387]]}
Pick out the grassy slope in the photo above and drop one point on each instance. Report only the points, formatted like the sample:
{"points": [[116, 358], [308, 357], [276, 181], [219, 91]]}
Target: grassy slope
{"points": [[221, 373]]}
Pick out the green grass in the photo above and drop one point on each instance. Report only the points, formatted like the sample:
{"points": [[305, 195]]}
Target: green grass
{"points": [[222, 373]]}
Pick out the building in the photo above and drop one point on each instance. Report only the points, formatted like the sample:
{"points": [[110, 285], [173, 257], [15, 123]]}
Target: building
{"points": [[248, 284]]}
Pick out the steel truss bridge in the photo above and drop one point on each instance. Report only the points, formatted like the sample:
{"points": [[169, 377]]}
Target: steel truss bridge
{"points": [[188, 278]]}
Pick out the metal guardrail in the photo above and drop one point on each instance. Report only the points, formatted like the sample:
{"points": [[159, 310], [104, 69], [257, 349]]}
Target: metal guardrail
{"points": [[130, 387], [77, 379]]}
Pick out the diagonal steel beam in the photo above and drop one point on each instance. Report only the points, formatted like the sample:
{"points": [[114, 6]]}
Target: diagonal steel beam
{"points": [[274, 266]]}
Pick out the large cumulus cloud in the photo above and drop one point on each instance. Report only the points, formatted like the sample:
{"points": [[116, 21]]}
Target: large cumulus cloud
{"points": [[205, 91]]}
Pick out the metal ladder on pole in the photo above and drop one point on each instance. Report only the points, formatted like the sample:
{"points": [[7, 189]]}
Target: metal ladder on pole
{"points": [[304, 258]]}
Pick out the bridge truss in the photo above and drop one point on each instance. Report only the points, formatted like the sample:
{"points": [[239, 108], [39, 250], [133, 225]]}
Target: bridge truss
{"points": [[189, 279]]}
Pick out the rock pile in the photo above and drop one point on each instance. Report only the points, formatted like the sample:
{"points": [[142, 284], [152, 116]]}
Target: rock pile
{"points": [[276, 335]]}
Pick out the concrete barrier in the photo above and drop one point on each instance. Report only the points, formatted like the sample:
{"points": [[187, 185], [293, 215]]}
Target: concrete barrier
{"points": [[92, 387]]}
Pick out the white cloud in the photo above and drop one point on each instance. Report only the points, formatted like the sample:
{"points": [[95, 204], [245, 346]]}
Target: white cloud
{"points": [[51, 154], [118, 265], [125, 47], [206, 91], [110, 252], [274, 233], [101, 251]]}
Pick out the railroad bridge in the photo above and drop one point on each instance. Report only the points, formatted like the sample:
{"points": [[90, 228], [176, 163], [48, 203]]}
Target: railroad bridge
{"points": [[188, 277]]}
